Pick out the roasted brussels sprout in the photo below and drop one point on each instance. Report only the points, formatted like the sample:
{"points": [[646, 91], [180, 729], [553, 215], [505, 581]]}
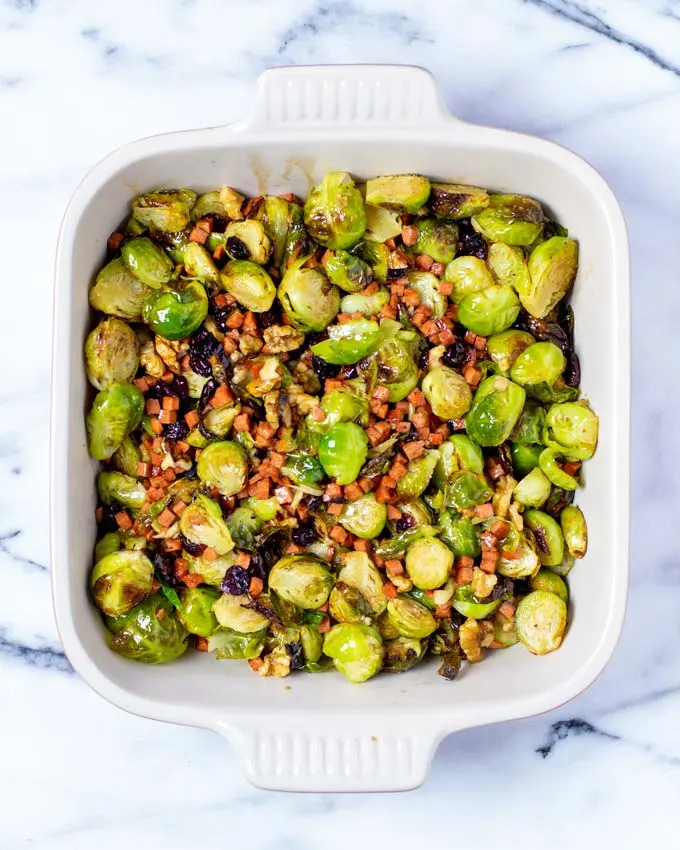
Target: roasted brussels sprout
{"points": [[447, 392], [364, 517], [508, 266], [504, 348], [574, 531], [427, 287], [167, 211], [548, 537], [529, 428], [367, 305], [111, 353], [552, 269], [349, 342], [513, 219], [356, 650], [524, 458], [381, 224], [196, 614], [224, 466], [209, 204], [496, 407], [466, 454], [403, 653], [218, 420], [533, 490], [346, 604], [466, 603], [342, 451], [548, 580], [460, 534], [147, 261], [308, 298], [120, 580], [358, 571], [453, 200], [302, 580], [547, 462], [348, 272], [202, 523], [468, 275], [571, 429], [228, 644], [467, 489], [405, 192], [518, 559], [115, 412], [418, 476], [176, 313], [540, 621], [117, 292], [394, 360], [246, 240], [399, 543], [489, 311], [411, 619], [542, 362], [250, 285], [334, 211], [233, 612], [150, 633], [342, 405], [438, 239], [428, 563], [304, 469], [116, 487]]}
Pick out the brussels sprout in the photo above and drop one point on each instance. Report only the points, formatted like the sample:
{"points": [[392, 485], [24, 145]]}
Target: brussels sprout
{"points": [[147, 261], [554, 473], [438, 239], [529, 428], [508, 266], [356, 650], [348, 272], [376, 255], [232, 202], [571, 429], [453, 200], [540, 621], [244, 525], [223, 465], [533, 490], [111, 353], [342, 451], [302, 580], [126, 457], [548, 536], [304, 470], [496, 407], [558, 393], [201, 522], [447, 392], [211, 572], [552, 269], [468, 275], [397, 545], [228, 644], [167, 211], [115, 412], [120, 580], [250, 285], [312, 643], [346, 604], [548, 580], [566, 566], [504, 630], [381, 224], [403, 653], [490, 311], [404, 192], [457, 453], [367, 305], [359, 572], [117, 292], [523, 561], [524, 458], [460, 534], [364, 517], [574, 530], [150, 633], [349, 342], [299, 244], [513, 219], [247, 241], [198, 263], [232, 612], [427, 286], [466, 603], [218, 420], [176, 313], [410, 618], [504, 348], [117, 487], [208, 204], [108, 544], [396, 367], [428, 563], [467, 489], [308, 298], [334, 211], [542, 362], [275, 220], [418, 476], [196, 614], [342, 405]]}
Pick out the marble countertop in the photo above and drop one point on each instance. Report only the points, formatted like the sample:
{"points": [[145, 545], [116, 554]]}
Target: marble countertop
{"points": [[77, 79]]}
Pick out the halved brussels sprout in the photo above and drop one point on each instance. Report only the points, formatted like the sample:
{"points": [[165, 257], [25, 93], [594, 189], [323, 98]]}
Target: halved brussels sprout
{"points": [[198, 263], [120, 580], [349, 342], [394, 360], [381, 224], [176, 313], [250, 285], [513, 219], [490, 311], [342, 405], [518, 558], [109, 543], [124, 489], [342, 451], [312, 643], [548, 537], [168, 211], [454, 200], [427, 286], [533, 490], [403, 653], [552, 269], [201, 522], [428, 563], [542, 362], [364, 517], [359, 572], [211, 572], [246, 240], [377, 255], [508, 266], [546, 579], [395, 546], [524, 458], [574, 530], [466, 603], [115, 412], [348, 272], [308, 298], [496, 407], [547, 462], [540, 621], [196, 614], [229, 645], [467, 489], [460, 534], [468, 275], [223, 465], [367, 305], [244, 525], [407, 192], [274, 214], [529, 428], [356, 650], [232, 612], [410, 618], [504, 630], [117, 292], [303, 470], [334, 211], [208, 204], [438, 239], [232, 202], [218, 420], [418, 476], [302, 580], [466, 454], [504, 348], [447, 392], [571, 429], [111, 353], [147, 261], [346, 604], [150, 633]]}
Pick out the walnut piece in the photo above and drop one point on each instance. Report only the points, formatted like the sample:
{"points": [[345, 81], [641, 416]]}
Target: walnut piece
{"points": [[150, 360], [304, 402], [170, 352], [249, 345], [306, 377], [482, 583], [280, 338], [275, 663], [473, 635]]}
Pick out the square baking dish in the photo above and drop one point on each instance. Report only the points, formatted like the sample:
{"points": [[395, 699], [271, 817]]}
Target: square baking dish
{"points": [[320, 733]]}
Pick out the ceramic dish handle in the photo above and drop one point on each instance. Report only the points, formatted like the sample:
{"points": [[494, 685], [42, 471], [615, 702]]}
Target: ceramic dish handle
{"points": [[347, 96], [347, 756]]}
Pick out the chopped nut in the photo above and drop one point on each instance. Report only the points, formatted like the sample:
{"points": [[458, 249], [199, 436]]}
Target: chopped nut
{"points": [[516, 516], [304, 402], [482, 584], [249, 345], [307, 378], [170, 351], [402, 583], [269, 378], [280, 338], [275, 663], [473, 635], [151, 361], [232, 202]]}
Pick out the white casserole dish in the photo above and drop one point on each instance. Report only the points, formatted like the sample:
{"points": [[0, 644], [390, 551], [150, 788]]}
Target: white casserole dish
{"points": [[319, 733]]}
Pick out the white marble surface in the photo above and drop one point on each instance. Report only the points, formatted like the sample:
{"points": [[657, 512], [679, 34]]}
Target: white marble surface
{"points": [[79, 78]]}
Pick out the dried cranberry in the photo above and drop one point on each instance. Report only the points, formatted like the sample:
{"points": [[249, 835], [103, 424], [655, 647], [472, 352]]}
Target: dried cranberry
{"points": [[194, 549], [404, 523], [200, 364], [268, 318], [304, 535], [208, 391], [297, 657], [220, 316], [176, 430], [456, 355], [181, 386], [204, 342], [395, 274], [351, 372], [219, 223], [572, 374], [164, 565], [236, 581], [237, 249], [470, 242], [108, 521], [323, 369]]}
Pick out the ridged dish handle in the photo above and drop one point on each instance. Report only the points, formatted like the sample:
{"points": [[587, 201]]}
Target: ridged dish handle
{"points": [[345, 756], [347, 96]]}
